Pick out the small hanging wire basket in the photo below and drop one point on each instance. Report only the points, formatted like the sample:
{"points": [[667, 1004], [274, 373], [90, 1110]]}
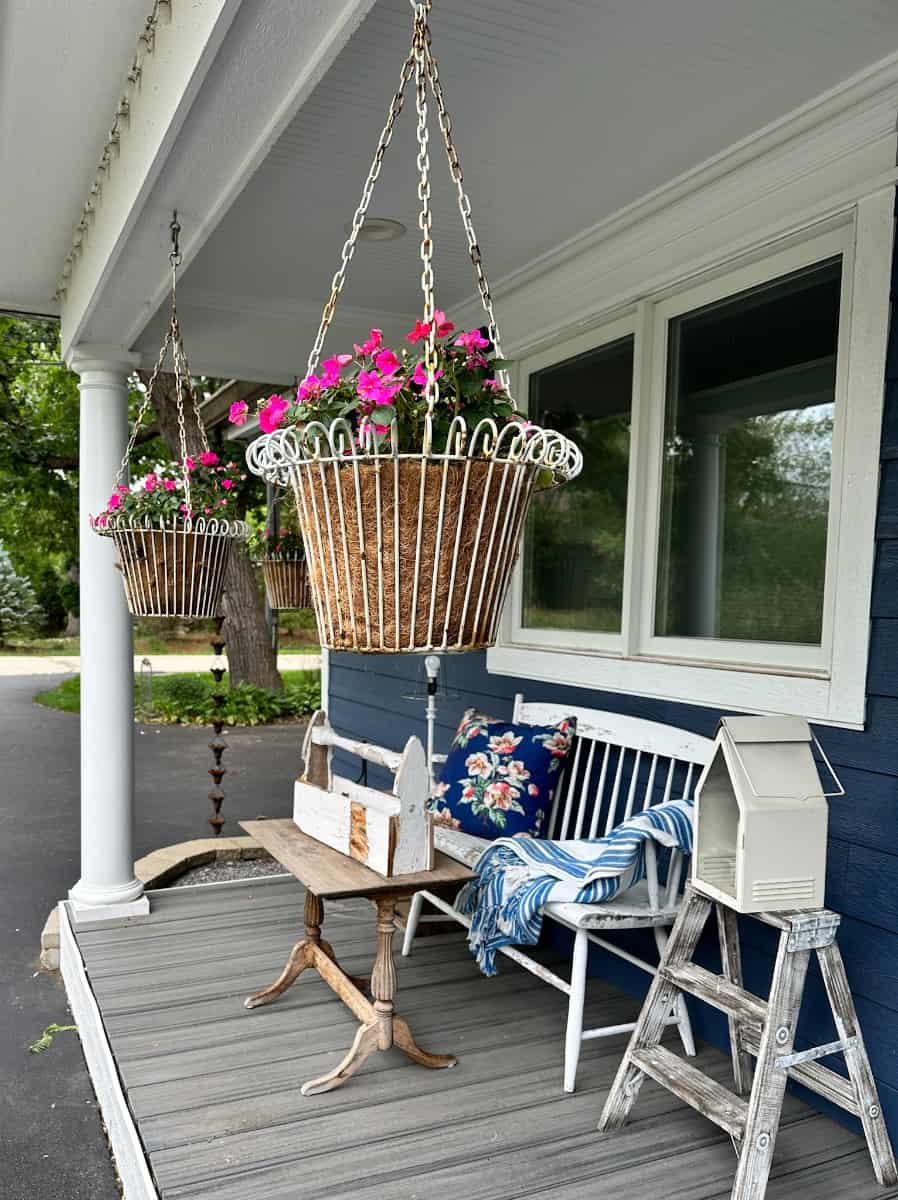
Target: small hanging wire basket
{"points": [[413, 551], [286, 580], [171, 566]]}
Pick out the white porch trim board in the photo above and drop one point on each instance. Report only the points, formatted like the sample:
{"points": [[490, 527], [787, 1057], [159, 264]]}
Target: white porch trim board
{"points": [[127, 1148], [107, 886]]}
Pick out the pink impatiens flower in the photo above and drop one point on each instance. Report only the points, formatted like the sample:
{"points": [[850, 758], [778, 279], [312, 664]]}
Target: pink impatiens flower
{"points": [[272, 415], [421, 331], [238, 412], [331, 367], [169, 485], [209, 458], [227, 484], [150, 483], [472, 340], [373, 344], [387, 362], [493, 385], [189, 463], [115, 501], [376, 390], [122, 490], [309, 387], [441, 325], [419, 375]]}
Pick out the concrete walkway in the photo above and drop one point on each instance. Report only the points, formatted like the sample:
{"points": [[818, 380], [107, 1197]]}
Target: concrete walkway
{"points": [[68, 664], [51, 1143]]}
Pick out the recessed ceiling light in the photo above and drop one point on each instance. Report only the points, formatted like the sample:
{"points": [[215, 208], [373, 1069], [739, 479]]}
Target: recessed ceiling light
{"points": [[379, 229]]}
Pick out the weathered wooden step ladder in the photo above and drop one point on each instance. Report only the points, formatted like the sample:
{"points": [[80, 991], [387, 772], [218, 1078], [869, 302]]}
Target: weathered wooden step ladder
{"points": [[758, 1028]]}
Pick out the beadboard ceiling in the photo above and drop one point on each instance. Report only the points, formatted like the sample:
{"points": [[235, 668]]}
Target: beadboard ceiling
{"points": [[62, 70], [565, 111]]}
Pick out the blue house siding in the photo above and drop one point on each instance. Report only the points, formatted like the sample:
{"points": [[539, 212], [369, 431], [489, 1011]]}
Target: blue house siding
{"points": [[368, 699]]}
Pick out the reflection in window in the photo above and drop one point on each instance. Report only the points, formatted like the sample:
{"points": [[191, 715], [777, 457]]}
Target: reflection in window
{"points": [[747, 463], [574, 550]]}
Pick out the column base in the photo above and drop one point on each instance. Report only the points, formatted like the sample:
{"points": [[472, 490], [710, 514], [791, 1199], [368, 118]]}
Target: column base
{"points": [[92, 903]]}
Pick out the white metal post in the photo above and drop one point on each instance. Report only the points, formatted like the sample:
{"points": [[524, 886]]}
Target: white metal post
{"points": [[107, 885]]}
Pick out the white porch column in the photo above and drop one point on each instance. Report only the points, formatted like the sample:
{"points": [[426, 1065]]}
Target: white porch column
{"points": [[107, 885]]}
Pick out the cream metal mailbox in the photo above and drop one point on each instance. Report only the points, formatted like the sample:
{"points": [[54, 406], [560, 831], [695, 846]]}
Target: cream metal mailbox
{"points": [[761, 817]]}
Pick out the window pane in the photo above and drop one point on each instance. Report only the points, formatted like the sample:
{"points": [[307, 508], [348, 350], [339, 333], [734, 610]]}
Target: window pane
{"points": [[747, 463], [574, 550]]}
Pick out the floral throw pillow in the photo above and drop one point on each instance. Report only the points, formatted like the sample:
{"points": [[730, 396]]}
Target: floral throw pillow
{"points": [[499, 777]]}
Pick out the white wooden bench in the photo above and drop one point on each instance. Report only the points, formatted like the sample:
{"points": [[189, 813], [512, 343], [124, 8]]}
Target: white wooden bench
{"points": [[617, 767]]}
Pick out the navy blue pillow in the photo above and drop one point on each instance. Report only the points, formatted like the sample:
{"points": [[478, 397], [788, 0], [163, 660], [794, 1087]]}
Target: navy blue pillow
{"points": [[499, 777]]}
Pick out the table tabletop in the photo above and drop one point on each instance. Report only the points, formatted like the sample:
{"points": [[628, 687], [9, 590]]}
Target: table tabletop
{"points": [[331, 875]]}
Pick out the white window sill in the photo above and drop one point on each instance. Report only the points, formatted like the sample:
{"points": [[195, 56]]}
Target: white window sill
{"points": [[813, 695]]}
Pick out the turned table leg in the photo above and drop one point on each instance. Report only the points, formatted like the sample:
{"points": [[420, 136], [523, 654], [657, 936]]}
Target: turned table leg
{"points": [[301, 956]]}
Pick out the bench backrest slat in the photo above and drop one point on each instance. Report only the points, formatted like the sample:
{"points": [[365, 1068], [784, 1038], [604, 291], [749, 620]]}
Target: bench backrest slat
{"points": [[625, 778]]}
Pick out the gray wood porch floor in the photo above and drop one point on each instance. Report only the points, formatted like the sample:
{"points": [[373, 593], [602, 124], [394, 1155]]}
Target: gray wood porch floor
{"points": [[215, 1089]]}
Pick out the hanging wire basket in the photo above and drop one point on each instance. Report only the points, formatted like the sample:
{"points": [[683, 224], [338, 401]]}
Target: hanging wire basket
{"points": [[413, 550], [286, 580], [405, 551], [172, 566]]}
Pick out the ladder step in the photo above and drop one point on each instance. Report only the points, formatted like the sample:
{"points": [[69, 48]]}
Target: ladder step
{"points": [[816, 1078], [718, 991], [704, 1094]]}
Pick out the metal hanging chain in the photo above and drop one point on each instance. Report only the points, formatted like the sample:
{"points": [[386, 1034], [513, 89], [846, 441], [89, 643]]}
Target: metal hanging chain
{"points": [[175, 342], [425, 217], [422, 64], [358, 219], [464, 202]]}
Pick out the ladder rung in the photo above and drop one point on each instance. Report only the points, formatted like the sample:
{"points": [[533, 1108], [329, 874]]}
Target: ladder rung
{"points": [[822, 1080], [718, 991], [710, 1098]]}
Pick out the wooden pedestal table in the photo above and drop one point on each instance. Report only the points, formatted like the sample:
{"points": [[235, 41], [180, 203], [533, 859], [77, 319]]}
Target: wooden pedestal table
{"points": [[327, 874]]}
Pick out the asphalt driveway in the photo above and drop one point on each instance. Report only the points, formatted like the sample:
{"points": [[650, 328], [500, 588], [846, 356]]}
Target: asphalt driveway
{"points": [[52, 1146]]}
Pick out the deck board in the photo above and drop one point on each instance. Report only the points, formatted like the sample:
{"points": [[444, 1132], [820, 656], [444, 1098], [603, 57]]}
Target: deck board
{"points": [[215, 1088]]}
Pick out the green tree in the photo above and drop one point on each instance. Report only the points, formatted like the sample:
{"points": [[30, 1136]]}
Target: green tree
{"points": [[19, 611]]}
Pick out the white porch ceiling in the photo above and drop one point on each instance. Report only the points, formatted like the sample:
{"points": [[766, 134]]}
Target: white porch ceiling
{"points": [[565, 111], [62, 67]]}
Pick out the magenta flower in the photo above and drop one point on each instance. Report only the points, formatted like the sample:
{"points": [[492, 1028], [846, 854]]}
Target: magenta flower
{"points": [[272, 415], [115, 501], [102, 520], [331, 368], [122, 490], [209, 458], [493, 385], [387, 362], [373, 344], [442, 325], [238, 412], [150, 483], [308, 388], [421, 331], [227, 484], [419, 375], [472, 340], [370, 386], [169, 485]]}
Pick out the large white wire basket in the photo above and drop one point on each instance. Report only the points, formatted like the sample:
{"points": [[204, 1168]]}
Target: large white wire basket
{"points": [[406, 551], [172, 568]]}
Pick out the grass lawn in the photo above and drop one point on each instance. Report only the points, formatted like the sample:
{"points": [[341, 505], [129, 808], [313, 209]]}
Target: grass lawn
{"points": [[147, 644], [186, 699]]}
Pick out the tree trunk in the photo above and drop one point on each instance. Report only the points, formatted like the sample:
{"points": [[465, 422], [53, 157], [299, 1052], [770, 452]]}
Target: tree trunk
{"points": [[251, 656]]}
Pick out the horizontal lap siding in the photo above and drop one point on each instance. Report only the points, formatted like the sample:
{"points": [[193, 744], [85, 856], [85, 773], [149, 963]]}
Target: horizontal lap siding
{"points": [[368, 699]]}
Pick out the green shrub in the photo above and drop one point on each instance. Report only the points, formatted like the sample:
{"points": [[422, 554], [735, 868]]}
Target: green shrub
{"points": [[186, 699]]}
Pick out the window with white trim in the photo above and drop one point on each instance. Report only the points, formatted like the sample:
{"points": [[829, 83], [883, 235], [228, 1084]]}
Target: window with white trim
{"points": [[712, 550]]}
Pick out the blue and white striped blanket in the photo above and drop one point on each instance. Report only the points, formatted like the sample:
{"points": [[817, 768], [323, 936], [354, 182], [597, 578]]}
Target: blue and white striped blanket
{"points": [[517, 877]]}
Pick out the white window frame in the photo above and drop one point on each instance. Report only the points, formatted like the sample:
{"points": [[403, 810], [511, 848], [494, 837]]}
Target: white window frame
{"points": [[825, 683]]}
